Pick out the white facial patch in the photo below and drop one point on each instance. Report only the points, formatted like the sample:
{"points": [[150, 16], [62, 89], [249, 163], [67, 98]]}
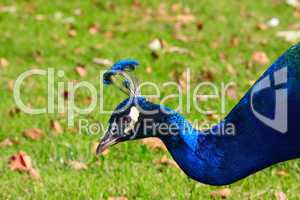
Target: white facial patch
{"points": [[134, 115]]}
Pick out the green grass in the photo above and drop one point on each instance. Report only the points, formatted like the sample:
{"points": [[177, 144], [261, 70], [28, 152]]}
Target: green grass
{"points": [[128, 169]]}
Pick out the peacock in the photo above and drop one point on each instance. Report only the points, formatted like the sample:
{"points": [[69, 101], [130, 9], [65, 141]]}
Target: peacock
{"points": [[265, 124]]}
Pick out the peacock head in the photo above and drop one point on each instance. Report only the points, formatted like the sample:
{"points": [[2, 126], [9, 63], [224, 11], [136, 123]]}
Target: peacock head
{"points": [[135, 117]]}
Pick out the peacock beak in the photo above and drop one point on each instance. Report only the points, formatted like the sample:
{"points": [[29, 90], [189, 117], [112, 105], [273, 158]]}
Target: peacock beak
{"points": [[107, 141]]}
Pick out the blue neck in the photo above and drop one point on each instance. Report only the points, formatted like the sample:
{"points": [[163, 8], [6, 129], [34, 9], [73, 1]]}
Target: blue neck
{"points": [[219, 159]]}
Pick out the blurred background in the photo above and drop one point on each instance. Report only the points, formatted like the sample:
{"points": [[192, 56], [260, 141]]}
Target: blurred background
{"points": [[220, 41]]}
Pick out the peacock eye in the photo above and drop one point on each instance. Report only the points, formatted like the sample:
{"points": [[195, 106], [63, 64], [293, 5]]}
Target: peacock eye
{"points": [[126, 119]]}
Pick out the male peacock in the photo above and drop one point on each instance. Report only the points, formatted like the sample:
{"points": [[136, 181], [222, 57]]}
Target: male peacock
{"points": [[266, 126]]}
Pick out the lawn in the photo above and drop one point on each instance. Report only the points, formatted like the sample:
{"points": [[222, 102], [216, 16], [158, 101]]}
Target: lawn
{"points": [[219, 39]]}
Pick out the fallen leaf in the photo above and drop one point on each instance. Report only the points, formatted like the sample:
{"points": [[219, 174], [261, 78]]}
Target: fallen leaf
{"points": [[156, 45], [212, 117], [56, 127], [81, 71], [10, 85], [186, 18], [280, 196], [262, 26], [222, 193], [199, 25], [117, 198], [234, 41], [260, 58], [183, 38], [3, 62], [136, 4], [77, 165], [39, 17], [149, 70], [231, 92], [72, 32], [154, 143], [289, 36], [8, 142], [109, 34], [208, 75], [179, 50], [176, 7], [77, 12], [14, 111], [94, 29], [281, 172], [102, 61], [34, 133], [230, 69], [295, 26], [166, 161], [8, 9], [22, 162]]}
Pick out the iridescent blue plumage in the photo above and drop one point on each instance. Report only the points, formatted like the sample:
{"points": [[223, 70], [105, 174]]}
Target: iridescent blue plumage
{"points": [[217, 159], [122, 65], [222, 159]]}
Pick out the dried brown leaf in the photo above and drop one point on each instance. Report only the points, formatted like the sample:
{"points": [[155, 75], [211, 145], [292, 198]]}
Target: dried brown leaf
{"points": [[94, 29], [183, 38], [260, 58], [208, 75], [56, 127], [166, 161], [212, 117], [3, 62], [14, 111], [185, 18], [6, 143], [180, 50], [72, 32], [77, 165], [77, 12], [81, 71], [234, 41], [262, 26], [281, 172], [117, 198], [39, 17], [34, 133], [230, 69], [10, 85], [231, 92], [154, 143], [199, 25], [222, 193], [149, 70], [20, 162], [102, 61], [280, 196]]}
